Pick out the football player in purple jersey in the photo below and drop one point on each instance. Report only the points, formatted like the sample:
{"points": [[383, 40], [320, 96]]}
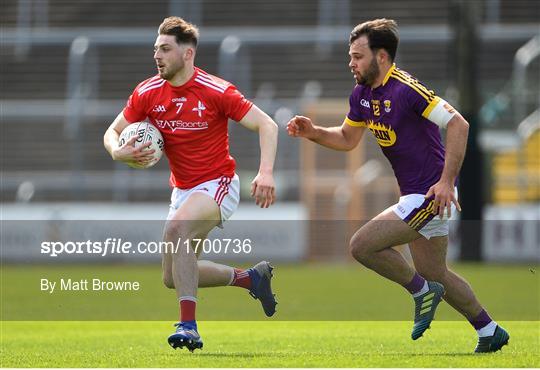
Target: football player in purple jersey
{"points": [[405, 118]]}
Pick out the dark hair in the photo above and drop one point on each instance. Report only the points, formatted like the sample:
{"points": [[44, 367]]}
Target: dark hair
{"points": [[184, 32], [381, 34]]}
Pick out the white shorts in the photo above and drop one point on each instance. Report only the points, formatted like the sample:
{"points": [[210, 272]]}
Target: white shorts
{"points": [[224, 190], [416, 210]]}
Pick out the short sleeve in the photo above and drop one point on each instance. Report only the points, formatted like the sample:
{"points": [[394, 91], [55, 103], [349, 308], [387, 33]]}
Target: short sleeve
{"points": [[134, 110], [234, 104], [418, 97], [425, 103], [354, 117]]}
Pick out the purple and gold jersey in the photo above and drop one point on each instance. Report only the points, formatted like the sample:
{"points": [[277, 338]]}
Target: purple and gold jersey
{"points": [[404, 116]]}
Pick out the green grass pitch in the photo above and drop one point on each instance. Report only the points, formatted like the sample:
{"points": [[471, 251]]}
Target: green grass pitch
{"points": [[329, 316], [261, 344]]}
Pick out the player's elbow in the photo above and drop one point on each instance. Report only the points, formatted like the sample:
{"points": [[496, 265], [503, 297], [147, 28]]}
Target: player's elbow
{"points": [[106, 139], [348, 143], [349, 146], [460, 122], [344, 147], [110, 140]]}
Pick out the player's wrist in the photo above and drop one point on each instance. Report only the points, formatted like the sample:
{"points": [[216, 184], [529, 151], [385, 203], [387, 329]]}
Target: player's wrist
{"points": [[114, 154], [447, 180], [266, 170], [315, 134], [117, 155]]}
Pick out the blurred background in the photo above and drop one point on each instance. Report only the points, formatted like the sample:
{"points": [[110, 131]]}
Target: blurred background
{"points": [[68, 68]]}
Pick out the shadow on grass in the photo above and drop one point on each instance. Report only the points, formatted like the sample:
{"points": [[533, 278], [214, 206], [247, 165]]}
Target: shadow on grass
{"points": [[242, 355], [464, 354], [283, 355]]}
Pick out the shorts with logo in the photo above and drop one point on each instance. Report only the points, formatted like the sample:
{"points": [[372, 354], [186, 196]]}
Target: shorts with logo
{"points": [[224, 190], [416, 211]]}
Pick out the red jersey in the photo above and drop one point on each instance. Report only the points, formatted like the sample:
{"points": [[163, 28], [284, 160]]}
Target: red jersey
{"points": [[193, 121]]}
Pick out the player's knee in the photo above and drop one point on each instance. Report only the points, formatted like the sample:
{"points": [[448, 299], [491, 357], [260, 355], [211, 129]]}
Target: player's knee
{"points": [[178, 229], [357, 248], [168, 282]]}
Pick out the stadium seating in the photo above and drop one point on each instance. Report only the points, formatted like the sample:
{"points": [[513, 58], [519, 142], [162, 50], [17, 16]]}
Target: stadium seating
{"points": [[516, 173], [39, 76]]}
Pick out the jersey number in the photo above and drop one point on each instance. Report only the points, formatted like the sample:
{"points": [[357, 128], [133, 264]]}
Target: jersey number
{"points": [[179, 105]]}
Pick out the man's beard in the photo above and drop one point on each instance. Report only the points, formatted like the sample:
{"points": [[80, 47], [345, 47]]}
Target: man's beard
{"points": [[371, 74], [171, 71]]}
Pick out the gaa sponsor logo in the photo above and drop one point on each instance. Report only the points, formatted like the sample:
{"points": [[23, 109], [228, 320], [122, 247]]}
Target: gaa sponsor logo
{"points": [[181, 125], [364, 103], [159, 109]]}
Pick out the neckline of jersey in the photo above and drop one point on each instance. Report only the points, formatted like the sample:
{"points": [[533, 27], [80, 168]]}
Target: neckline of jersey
{"points": [[188, 82], [385, 80]]}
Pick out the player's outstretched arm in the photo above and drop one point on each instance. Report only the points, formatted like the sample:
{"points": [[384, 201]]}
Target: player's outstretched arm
{"points": [[127, 152], [263, 187], [344, 137], [456, 143]]}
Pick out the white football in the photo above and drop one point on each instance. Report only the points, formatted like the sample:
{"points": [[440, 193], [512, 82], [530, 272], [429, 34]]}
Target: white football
{"points": [[145, 132]]}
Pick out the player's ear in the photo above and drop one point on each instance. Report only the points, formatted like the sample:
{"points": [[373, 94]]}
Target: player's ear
{"points": [[382, 55], [189, 53]]}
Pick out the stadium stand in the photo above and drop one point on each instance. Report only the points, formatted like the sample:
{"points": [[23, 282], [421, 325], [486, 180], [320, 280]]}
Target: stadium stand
{"points": [[281, 75]]}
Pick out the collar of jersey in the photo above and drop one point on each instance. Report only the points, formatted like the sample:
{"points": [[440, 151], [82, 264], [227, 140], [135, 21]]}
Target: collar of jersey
{"points": [[388, 74], [188, 82], [385, 80]]}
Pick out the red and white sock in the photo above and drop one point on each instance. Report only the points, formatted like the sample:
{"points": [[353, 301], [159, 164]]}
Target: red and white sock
{"points": [[241, 278]]}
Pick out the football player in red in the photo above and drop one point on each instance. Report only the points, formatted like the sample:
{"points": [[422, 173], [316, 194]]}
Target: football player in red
{"points": [[191, 109]]}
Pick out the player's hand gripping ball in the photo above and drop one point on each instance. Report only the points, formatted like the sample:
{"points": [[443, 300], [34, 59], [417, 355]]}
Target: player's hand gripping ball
{"points": [[146, 132]]}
